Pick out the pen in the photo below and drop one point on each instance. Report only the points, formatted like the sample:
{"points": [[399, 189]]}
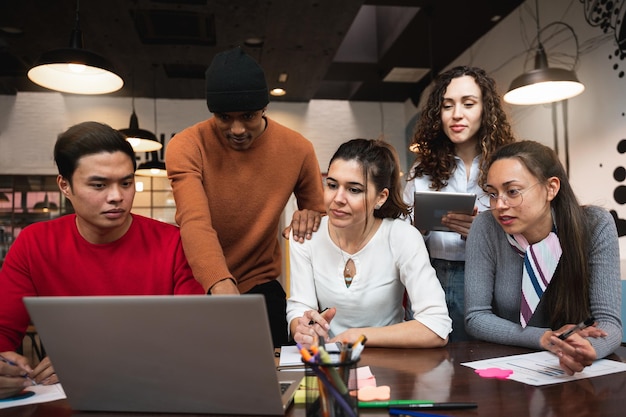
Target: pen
{"points": [[398, 412], [8, 362], [437, 406], [312, 322], [579, 326]]}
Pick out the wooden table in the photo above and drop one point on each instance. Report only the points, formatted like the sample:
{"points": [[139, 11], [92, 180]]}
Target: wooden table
{"points": [[437, 374]]}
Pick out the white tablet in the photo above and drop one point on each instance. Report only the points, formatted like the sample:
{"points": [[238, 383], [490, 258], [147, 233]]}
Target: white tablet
{"points": [[431, 206]]}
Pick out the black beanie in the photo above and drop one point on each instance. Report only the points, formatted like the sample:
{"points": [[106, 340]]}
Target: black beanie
{"points": [[234, 83]]}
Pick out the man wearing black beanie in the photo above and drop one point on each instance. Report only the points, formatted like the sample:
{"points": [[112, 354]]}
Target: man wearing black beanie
{"points": [[232, 175]]}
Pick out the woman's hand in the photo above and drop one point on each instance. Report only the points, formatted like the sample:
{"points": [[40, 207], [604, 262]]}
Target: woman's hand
{"points": [[350, 336], [574, 353], [313, 327], [459, 222]]}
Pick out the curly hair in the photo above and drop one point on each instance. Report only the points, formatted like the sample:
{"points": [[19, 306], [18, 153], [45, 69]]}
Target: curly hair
{"points": [[435, 151]]}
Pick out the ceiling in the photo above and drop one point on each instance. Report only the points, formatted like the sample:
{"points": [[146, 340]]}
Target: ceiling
{"points": [[329, 49]]}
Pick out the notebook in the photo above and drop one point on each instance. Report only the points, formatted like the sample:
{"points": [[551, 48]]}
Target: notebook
{"points": [[430, 206], [178, 354]]}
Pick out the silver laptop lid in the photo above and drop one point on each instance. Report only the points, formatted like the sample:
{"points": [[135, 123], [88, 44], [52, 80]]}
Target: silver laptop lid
{"points": [[180, 354]]}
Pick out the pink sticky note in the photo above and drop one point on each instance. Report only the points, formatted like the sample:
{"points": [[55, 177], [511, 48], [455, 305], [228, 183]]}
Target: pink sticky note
{"points": [[494, 373], [382, 393], [363, 377]]}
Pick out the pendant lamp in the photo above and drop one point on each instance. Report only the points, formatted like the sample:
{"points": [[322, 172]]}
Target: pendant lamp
{"points": [[544, 84], [140, 139], [75, 69], [3, 197], [46, 205], [152, 168]]}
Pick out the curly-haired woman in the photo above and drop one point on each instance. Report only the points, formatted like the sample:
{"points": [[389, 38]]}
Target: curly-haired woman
{"points": [[461, 125]]}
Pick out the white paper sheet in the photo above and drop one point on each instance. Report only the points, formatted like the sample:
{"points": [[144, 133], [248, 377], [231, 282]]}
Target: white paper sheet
{"points": [[43, 394], [290, 356], [542, 368]]}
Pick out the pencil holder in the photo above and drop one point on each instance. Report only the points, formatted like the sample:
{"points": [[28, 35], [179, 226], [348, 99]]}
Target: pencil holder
{"points": [[331, 387]]}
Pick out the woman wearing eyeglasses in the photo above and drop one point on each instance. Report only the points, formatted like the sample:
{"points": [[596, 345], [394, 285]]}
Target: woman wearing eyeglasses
{"points": [[350, 278], [538, 263]]}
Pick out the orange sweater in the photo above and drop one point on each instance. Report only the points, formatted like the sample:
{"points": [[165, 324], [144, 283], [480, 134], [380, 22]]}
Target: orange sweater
{"points": [[229, 203]]}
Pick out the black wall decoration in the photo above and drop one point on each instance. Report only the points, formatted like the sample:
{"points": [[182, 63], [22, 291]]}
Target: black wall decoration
{"points": [[609, 16]]}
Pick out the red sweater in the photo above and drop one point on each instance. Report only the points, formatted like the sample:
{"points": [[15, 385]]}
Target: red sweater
{"points": [[229, 203], [52, 259]]}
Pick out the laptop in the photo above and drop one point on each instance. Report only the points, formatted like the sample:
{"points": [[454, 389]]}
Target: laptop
{"points": [[430, 206], [164, 354]]}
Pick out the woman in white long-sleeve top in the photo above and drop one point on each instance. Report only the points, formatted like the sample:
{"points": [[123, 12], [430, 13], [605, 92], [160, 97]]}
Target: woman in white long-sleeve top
{"points": [[363, 258]]}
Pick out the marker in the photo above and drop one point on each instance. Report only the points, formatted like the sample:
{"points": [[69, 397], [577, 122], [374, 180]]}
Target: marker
{"points": [[8, 362], [341, 399], [358, 347], [398, 412], [579, 326], [390, 403], [438, 406], [339, 384], [404, 404]]}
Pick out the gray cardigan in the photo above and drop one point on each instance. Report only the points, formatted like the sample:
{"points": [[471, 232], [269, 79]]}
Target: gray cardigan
{"points": [[493, 280]]}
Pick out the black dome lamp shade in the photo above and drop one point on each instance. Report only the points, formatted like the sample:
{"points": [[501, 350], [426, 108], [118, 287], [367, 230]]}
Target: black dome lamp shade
{"points": [[140, 139], [46, 205], [545, 84], [152, 168], [75, 69]]}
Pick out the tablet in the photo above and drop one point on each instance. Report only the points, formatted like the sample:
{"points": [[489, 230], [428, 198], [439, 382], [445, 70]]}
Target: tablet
{"points": [[431, 206]]}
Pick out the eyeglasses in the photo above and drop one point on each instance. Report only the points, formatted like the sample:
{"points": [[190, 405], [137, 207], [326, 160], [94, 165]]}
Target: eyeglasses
{"points": [[512, 197]]}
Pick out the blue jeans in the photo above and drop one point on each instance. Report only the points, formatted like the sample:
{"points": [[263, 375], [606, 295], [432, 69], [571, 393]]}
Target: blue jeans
{"points": [[451, 275]]}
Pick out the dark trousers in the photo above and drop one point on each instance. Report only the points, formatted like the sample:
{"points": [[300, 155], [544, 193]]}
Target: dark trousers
{"points": [[276, 305]]}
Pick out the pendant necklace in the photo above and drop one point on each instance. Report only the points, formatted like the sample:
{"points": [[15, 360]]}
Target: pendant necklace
{"points": [[349, 269]]}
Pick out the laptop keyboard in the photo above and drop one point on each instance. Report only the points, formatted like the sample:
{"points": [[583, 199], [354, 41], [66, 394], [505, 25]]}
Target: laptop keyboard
{"points": [[284, 386]]}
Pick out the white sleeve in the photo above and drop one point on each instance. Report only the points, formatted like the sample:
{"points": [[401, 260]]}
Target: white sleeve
{"points": [[302, 294], [428, 300], [409, 197]]}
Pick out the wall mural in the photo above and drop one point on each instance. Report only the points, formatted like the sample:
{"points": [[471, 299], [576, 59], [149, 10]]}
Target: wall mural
{"points": [[609, 16], [619, 194]]}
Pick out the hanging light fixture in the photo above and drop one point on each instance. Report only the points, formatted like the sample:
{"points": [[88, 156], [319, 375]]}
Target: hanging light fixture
{"points": [[545, 84], [46, 205], [3, 197], [74, 69], [154, 167], [140, 139]]}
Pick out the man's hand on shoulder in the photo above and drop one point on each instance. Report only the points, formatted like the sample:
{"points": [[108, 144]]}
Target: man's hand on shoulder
{"points": [[303, 223], [224, 287]]}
